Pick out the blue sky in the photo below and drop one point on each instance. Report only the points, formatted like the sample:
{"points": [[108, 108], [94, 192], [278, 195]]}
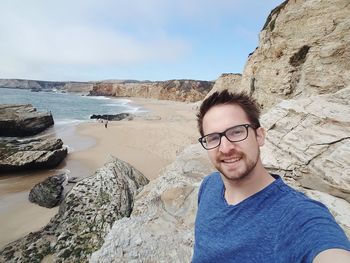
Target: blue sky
{"points": [[86, 40]]}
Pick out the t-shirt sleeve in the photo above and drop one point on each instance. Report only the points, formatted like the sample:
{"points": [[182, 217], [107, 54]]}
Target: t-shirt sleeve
{"points": [[306, 231]]}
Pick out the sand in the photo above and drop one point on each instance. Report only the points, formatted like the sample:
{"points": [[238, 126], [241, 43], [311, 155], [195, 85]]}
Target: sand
{"points": [[149, 142]]}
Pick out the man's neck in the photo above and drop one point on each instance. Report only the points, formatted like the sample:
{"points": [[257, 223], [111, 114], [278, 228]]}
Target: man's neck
{"points": [[238, 190]]}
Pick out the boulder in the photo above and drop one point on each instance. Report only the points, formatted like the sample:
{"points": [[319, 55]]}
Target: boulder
{"points": [[160, 228], [18, 120], [35, 153], [84, 218], [49, 192]]}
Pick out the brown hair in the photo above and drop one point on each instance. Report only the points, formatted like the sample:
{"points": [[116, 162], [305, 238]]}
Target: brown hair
{"points": [[247, 103]]}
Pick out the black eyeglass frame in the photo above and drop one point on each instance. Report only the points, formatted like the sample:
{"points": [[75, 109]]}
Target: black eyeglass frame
{"points": [[246, 126]]}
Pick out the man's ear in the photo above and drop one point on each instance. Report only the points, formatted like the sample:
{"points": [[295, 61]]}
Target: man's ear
{"points": [[260, 136]]}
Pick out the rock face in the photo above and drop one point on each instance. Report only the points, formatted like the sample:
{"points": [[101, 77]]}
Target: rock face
{"points": [[308, 141], [22, 120], [39, 85], [160, 228], [49, 192], [300, 75], [303, 51], [226, 81], [17, 155], [85, 217], [179, 90]]}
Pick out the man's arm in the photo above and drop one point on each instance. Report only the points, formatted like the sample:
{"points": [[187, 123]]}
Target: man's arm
{"points": [[333, 255]]}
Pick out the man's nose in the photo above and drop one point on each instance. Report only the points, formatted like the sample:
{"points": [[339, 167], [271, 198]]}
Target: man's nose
{"points": [[226, 146]]}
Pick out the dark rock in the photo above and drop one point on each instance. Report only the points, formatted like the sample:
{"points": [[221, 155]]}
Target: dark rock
{"points": [[22, 120], [113, 117], [85, 216], [17, 155], [49, 192]]}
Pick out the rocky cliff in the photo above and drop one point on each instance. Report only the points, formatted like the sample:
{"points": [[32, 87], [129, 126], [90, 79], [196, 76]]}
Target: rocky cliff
{"points": [[40, 85], [303, 51], [179, 90], [300, 75]]}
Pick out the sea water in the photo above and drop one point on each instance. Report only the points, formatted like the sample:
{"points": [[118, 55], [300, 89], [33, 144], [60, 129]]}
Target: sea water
{"points": [[67, 107]]}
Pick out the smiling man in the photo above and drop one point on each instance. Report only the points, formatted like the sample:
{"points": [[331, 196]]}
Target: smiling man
{"points": [[245, 214]]}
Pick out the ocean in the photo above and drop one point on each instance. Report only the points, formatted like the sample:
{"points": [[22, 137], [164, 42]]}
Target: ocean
{"points": [[67, 107], [18, 216]]}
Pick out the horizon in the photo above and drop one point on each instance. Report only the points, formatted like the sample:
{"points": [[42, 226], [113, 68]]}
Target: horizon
{"points": [[128, 40]]}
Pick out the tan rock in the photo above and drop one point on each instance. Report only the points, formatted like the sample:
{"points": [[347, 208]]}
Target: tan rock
{"points": [[303, 51]]}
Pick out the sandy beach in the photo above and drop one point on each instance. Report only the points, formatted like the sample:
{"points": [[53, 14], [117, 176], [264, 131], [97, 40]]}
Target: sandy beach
{"points": [[149, 142]]}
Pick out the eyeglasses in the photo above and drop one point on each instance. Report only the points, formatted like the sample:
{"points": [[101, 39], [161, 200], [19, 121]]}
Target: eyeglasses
{"points": [[234, 134]]}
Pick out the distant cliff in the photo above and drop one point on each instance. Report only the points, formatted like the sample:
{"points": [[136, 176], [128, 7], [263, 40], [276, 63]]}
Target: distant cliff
{"points": [[41, 85], [179, 90]]}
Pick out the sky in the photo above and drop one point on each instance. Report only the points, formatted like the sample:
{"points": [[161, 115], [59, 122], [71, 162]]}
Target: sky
{"points": [[90, 40]]}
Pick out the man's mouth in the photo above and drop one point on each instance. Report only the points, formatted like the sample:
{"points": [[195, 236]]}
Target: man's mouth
{"points": [[231, 160]]}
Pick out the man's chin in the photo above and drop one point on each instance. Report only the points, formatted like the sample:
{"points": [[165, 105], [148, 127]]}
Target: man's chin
{"points": [[233, 175]]}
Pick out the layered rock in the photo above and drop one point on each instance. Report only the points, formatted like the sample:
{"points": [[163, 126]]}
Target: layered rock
{"points": [[160, 228], [230, 81], [40, 85], [179, 90], [22, 120], [85, 217], [309, 140], [300, 75], [35, 153], [303, 51]]}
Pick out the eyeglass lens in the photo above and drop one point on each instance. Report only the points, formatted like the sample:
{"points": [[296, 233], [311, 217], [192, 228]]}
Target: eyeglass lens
{"points": [[234, 134]]}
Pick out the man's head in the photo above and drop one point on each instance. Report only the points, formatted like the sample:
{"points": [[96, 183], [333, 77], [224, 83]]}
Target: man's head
{"points": [[231, 132], [247, 103]]}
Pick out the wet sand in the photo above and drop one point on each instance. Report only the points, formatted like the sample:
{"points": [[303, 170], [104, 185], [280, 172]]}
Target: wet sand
{"points": [[149, 142]]}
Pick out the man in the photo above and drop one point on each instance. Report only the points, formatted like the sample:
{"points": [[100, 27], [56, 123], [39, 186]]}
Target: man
{"points": [[246, 214]]}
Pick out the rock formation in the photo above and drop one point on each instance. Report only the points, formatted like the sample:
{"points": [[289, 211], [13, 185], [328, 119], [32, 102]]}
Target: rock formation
{"points": [[300, 75], [84, 218], [35, 153], [179, 90], [160, 228], [303, 51], [22, 120], [49, 192], [226, 81], [40, 85]]}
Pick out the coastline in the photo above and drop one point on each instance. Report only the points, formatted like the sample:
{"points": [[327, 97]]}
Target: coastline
{"points": [[149, 142]]}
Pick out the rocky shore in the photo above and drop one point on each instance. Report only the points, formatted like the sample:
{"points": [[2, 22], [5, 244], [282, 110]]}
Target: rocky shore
{"points": [[85, 217], [23, 120], [31, 152], [300, 76]]}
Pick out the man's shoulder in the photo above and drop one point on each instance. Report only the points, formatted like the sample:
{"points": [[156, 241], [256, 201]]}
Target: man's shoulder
{"points": [[212, 178]]}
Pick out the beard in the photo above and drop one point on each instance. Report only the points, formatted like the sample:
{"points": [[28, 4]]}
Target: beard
{"points": [[244, 170]]}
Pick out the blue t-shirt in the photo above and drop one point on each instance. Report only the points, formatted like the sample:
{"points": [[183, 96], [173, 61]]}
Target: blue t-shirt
{"points": [[277, 224]]}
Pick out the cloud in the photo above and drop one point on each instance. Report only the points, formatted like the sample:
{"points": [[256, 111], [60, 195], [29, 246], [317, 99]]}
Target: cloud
{"points": [[39, 37]]}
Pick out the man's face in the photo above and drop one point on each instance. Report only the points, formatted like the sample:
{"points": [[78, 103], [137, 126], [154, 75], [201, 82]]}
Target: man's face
{"points": [[235, 160]]}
